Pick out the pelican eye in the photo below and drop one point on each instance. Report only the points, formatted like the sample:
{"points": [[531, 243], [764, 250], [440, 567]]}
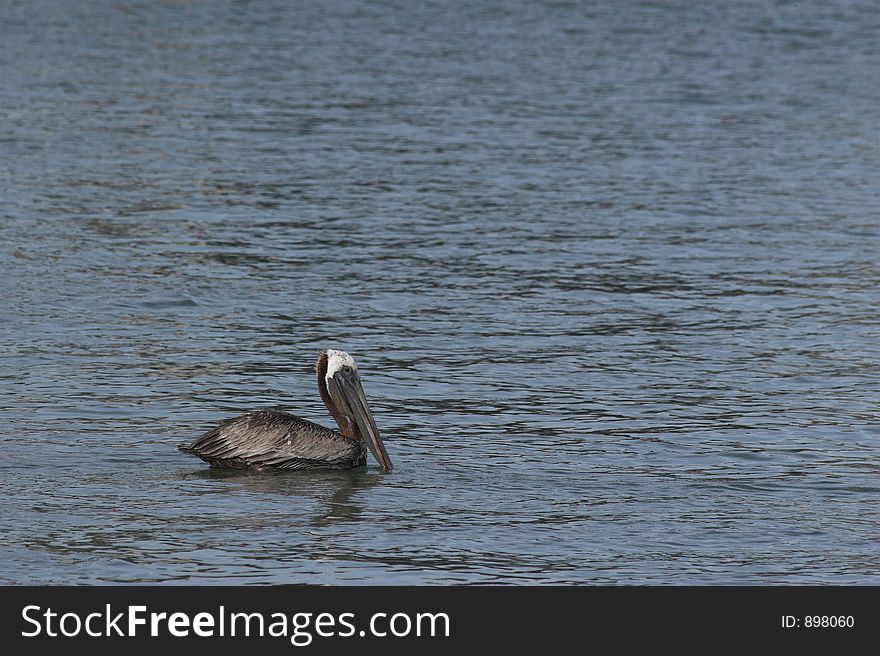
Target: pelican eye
{"points": [[347, 369]]}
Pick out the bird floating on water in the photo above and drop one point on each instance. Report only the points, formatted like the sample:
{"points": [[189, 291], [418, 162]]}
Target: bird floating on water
{"points": [[275, 440]]}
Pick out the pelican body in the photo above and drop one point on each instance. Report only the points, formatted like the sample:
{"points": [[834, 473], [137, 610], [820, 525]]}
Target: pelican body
{"points": [[271, 439]]}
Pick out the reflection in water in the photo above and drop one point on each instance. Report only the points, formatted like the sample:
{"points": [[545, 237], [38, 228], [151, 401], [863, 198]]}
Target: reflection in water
{"points": [[334, 493]]}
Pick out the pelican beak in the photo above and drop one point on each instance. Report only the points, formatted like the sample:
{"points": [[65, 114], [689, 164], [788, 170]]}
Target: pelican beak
{"points": [[349, 385]]}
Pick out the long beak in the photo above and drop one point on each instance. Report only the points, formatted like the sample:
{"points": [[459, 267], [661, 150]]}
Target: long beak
{"points": [[354, 395]]}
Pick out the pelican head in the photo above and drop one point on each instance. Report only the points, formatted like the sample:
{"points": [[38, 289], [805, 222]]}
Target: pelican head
{"points": [[340, 386]]}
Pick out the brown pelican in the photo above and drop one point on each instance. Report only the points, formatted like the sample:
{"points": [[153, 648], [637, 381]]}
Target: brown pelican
{"points": [[271, 439]]}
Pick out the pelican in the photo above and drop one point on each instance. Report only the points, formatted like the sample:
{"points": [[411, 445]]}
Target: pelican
{"points": [[275, 440]]}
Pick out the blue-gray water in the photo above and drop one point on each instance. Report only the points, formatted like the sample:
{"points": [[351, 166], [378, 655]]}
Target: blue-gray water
{"points": [[609, 271]]}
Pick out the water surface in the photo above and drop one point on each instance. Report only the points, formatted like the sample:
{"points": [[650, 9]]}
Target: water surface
{"points": [[609, 271]]}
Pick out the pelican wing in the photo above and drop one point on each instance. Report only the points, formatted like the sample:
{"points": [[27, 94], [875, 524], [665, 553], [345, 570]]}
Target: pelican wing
{"points": [[276, 440]]}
